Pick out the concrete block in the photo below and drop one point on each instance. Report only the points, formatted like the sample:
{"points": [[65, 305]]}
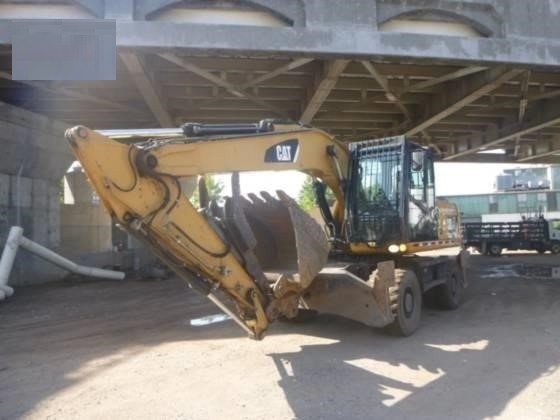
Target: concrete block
{"points": [[30, 269], [4, 190], [28, 119], [45, 156], [40, 194], [54, 195], [53, 228], [25, 191], [40, 227], [4, 223]]}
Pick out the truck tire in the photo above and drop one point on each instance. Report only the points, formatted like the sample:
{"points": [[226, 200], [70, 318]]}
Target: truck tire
{"points": [[555, 248], [449, 295], [406, 303], [495, 250]]}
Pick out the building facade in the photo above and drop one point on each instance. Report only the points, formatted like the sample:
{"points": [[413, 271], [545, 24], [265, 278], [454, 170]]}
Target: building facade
{"points": [[519, 192]]}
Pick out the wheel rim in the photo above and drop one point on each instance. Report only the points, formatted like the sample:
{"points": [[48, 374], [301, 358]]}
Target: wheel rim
{"points": [[408, 302]]}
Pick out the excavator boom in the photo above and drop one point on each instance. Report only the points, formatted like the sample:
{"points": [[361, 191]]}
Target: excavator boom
{"points": [[250, 253]]}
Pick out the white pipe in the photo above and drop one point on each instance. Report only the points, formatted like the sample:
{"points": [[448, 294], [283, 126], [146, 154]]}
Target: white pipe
{"points": [[7, 260], [16, 239], [65, 263]]}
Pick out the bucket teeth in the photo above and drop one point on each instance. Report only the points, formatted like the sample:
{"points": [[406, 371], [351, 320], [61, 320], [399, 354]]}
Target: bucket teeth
{"points": [[289, 242]]}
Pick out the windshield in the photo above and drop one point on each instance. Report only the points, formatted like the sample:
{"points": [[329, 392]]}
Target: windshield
{"points": [[376, 192], [378, 186]]}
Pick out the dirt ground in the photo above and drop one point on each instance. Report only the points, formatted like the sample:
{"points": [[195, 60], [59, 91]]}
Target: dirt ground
{"points": [[103, 349]]}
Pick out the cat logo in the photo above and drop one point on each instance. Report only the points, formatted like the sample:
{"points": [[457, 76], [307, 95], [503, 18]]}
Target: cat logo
{"points": [[285, 151]]}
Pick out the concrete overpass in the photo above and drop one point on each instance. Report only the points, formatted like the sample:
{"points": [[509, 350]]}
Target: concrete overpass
{"points": [[462, 76]]}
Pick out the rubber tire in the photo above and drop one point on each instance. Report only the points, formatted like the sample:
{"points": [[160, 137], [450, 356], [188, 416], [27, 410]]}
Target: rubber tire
{"points": [[555, 248], [406, 284], [495, 250], [450, 294]]}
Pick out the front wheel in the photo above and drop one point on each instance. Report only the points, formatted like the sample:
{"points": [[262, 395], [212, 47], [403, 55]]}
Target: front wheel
{"points": [[406, 303], [555, 248]]}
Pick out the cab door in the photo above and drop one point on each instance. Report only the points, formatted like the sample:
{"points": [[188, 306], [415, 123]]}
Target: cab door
{"points": [[422, 212]]}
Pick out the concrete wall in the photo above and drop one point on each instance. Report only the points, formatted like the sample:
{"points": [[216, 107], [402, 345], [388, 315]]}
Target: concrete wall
{"points": [[85, 224], [87, 232], [33, 146], [38, 210]]}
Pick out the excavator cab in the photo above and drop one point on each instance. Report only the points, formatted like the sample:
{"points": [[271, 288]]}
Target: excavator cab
{"points": [[390, 197]]}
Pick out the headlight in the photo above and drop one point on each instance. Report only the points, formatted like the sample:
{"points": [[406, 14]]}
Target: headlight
{"points": [[402, 247], [393, 249]]}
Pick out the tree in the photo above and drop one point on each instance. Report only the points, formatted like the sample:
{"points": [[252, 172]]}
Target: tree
{"points": [[215, 190], [306, 196]]}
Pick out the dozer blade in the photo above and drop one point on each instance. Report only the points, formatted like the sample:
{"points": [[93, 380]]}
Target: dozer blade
{"points": [[291, 247]]}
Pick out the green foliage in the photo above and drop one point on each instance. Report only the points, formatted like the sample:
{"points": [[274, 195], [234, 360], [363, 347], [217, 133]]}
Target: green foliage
{"points": [[215, 190], [306, 196]]}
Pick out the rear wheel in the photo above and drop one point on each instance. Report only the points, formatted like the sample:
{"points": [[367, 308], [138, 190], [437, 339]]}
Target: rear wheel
{"points": [[406, 303], [495, 250], [449, 295]]}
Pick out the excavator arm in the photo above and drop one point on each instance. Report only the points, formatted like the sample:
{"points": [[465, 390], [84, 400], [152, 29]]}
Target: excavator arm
{"points": [[259, 256]]}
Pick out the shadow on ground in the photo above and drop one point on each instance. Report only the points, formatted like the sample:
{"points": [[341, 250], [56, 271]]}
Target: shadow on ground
{"points": [[466, 364]]}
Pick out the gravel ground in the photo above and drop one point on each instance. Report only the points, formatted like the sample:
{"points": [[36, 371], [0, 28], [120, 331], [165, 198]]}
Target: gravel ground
{"points": [[102, 349]]}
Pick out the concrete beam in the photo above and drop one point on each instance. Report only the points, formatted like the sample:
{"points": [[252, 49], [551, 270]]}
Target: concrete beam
{"points": [[485, 158], [256, 81], [449, 101], [328, 81], [445, 78], [405, 96], [59, 90], [218, 81], [146, 88], [543, 117], [509, 104], [277, 72], [524, 91], [384, 83], [363, 41], [553, 147]]}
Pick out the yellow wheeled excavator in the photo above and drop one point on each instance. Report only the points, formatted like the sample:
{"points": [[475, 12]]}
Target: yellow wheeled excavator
{"points": [[261, 258]]}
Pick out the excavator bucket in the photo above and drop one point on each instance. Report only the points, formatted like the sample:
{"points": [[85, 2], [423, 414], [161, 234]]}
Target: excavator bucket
{"points": [[288, 246]]}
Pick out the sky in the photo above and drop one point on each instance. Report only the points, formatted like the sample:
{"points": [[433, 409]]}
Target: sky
{"points": [[451, 179]]}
